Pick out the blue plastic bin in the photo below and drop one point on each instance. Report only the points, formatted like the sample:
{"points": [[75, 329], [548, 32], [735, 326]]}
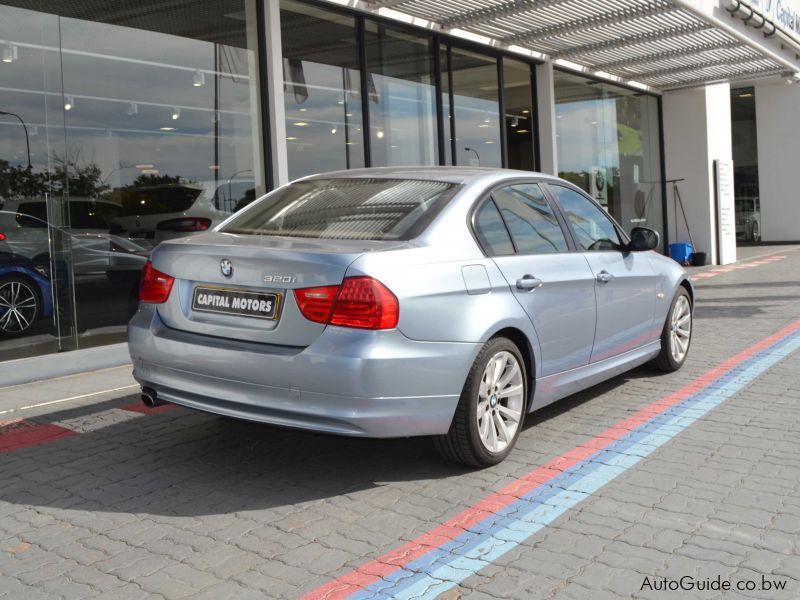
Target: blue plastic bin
{"points": [[681, 253]]}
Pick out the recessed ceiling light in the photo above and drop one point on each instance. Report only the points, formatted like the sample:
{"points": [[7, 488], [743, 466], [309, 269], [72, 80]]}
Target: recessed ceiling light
{"points": [[167, 129], [300, 124], [176, 113], [523, 130], [380, 135], [70, 103], [303, 109], [291, 138], [525, 112]]}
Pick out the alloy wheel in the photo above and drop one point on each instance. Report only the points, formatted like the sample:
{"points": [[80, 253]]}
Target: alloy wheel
{"points": [[18, 306], [680, 329], [501, 398]]}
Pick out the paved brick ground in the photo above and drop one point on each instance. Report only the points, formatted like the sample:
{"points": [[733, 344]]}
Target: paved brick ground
{"points": [[121, 503]]}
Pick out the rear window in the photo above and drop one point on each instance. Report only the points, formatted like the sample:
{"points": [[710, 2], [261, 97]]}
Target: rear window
{"points": [[348, 209], [158, 200]]}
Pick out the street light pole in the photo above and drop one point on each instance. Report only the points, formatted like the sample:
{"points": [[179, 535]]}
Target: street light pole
{"points": [[25, 127]]}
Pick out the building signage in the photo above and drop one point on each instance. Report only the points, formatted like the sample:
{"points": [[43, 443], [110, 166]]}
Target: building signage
{"points": [[785, 14], [726, 212]]}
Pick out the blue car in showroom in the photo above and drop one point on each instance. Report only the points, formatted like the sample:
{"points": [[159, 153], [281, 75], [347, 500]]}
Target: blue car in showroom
{"points": [[393, 302]]}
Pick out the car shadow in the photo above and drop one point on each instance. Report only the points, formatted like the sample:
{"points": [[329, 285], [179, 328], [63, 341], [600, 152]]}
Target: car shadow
{"points": [[181, 462]]}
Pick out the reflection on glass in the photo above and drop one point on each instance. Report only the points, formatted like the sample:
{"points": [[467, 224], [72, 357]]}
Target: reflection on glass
{"points": [[159, 139], [745, 165], [321, 83], [608, 144], [519, 114], [447, 113], [477, 109], [403, 109]]}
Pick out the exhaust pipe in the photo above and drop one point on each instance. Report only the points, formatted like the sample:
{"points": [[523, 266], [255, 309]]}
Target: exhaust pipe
{"points": [[150, 398]]}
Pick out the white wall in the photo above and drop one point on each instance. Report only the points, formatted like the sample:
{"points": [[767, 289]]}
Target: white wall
{"points": [[697, 131], [778, 125]]}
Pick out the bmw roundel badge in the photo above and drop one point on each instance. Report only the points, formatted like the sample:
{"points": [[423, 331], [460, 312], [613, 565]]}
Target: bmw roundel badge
{"points": [[226, 267]]}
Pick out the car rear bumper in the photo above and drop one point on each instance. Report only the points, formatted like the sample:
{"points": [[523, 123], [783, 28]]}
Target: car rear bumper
{"points": [[349, 382]]}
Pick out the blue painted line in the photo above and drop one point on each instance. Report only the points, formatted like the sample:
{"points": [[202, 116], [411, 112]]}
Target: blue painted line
{"points": [[486, 541]]}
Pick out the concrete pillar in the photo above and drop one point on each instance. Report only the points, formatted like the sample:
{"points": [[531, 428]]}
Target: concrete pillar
{"points": [[274, 73], [697, 131], [546, 115], [778, 128]]}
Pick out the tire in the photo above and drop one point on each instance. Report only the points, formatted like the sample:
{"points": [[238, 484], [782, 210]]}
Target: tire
{"points": [[464, 442], [21, 294], [755, 232], [672, 357]]}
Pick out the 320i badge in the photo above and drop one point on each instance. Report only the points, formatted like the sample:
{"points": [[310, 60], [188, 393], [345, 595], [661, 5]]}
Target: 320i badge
{"points": [[444, 302]]}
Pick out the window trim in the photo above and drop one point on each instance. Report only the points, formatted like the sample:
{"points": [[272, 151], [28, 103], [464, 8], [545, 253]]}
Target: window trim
{"points": [[486, 196], [617, 227]]}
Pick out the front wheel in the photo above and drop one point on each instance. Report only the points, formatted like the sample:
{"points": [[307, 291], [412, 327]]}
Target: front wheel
{"points": [[491, 409], [19, 306], [677, 333]]}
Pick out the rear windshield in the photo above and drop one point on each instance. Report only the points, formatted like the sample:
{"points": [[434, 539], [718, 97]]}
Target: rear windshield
{"points": [[158, 200], [348, 209]]}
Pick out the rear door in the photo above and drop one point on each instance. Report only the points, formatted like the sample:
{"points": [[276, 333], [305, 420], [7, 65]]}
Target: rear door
{"points": [[519, 229], [625, 282]]}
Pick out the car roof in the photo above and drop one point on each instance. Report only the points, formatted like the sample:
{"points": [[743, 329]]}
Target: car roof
{"points": [[460, 175]]}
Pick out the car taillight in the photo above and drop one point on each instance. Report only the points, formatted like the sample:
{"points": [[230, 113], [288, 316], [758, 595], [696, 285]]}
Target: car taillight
{"points": [[316, 303], [361, 302], [2, 236], [185, 224], [155, 285]]}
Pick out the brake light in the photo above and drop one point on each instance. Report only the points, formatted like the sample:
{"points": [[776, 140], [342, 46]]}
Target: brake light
{"points": [[316, 303], [361, 302], [155, 285], [185, 224], [2, 237]]}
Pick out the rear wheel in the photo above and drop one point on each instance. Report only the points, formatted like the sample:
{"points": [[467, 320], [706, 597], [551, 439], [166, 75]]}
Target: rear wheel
{"points": [[677, 334], [19, 305], [491, 409]]}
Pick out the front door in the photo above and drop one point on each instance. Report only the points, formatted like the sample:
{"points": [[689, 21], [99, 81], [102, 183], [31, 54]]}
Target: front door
{"points": [[625, 282]]}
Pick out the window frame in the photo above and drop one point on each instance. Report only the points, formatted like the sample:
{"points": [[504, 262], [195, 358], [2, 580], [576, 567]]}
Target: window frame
{"points": [[554, 200], [486, 196]]}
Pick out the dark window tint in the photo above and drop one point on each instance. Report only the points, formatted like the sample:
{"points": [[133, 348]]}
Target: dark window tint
{"points": [[234, 196], [355, 209], [491, 231], [37, 210], [592, 227], [530, 219], [158, 200]]}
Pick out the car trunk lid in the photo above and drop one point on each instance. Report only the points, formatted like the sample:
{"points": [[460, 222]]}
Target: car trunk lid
{"points": [[262, 269]]}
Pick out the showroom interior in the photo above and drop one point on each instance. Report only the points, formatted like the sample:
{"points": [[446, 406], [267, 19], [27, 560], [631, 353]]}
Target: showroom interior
{"points": [[113, 113]]}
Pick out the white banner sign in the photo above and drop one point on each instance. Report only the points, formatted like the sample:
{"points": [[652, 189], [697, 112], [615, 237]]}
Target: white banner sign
{"points": [[785, 14], [726, 212]]}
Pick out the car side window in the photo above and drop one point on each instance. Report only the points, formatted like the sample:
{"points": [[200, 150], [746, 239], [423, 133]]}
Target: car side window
{"points": [[593, 229], [491, 232], [530, 219]]}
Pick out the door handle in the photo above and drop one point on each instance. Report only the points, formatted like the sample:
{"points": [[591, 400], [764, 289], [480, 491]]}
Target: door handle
{"points": [[604, 276], [528, 283]]}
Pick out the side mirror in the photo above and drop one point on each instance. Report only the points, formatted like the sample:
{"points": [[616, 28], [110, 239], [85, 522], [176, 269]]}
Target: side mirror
{"points": [[642, 239]]}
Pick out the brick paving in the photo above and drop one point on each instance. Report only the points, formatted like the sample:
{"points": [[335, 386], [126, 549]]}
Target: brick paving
{"points": [[119, 502]]}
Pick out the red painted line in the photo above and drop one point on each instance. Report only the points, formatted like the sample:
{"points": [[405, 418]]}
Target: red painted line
{"points": [[23, 434], [139, 407], [376, 569]]}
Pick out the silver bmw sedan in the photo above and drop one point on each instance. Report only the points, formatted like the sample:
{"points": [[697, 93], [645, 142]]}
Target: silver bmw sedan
{"points": [[393, 302]]}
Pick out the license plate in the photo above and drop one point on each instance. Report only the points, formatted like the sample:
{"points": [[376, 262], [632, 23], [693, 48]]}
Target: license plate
{"points": [[242, 303]]}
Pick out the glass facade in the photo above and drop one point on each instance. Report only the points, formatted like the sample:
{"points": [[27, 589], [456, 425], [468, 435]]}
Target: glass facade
{"points": [[322, 90], [609, 145], [745, 165], [142, 125], [123, 127]]}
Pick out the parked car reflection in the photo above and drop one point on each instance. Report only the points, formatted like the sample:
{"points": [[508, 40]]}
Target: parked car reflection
{"points": [[25, 293]]}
